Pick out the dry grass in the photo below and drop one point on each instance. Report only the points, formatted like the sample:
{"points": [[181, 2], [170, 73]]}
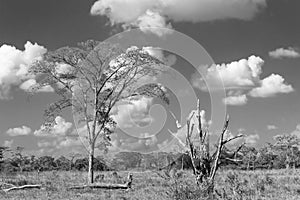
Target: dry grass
{"points": [[235, 185]]}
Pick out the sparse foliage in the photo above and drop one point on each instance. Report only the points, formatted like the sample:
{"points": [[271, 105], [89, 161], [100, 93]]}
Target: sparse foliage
{"points": [[92, 79]]}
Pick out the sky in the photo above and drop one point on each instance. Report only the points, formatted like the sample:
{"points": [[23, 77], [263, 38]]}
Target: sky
{"points": [[254, 44]]}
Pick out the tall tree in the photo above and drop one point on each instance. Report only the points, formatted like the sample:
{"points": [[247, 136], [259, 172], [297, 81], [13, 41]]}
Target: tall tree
{"points": [[93, 78]]}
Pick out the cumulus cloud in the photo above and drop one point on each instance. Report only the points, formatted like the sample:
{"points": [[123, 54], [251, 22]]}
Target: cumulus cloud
{"points": [[146, 141], [237, 74], [241, 79], [27, 86], [284, 53], [44, 144], [8, 143], [159, 13], [143, 142], [272, 127], [236, 100], [297, 131], [252, 139], [60, 128], [135, 113], [160, 55], [271, 86], [152, 19], [70, 142], [23, 130], [15, 64]]}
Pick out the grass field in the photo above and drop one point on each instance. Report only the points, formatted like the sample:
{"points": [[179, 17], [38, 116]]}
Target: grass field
{"points": [[270, 185]]}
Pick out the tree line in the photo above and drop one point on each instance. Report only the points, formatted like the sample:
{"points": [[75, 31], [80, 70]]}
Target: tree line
{"points": [[283, 152], [14, 160]]}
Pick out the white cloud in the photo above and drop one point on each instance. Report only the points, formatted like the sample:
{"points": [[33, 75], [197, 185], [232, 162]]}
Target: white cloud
{"points": [[143, 142], [272, 127], [70, 142], [133, 114], [153, 22], [159, 54], [60, 128], [252, 139], [8, 143], [44, 144], [236, 100], [15, 64], [24, 130], [27, 86], [241, 79], [284, 53], [271, 86], [157, 13], [297, 131], [237, 74]]}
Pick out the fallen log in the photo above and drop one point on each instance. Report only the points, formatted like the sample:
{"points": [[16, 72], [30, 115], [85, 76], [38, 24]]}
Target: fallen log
{"points": [[102, 186], [22, 187], [125, 186]]}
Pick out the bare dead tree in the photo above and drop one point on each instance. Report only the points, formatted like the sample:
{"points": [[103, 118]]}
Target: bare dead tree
{"points": [[205, 164]]}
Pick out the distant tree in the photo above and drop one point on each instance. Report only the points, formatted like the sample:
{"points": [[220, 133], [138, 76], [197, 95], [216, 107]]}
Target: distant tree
{"points": [[19, 160], [46, 163], [34, 166], [93, 78], [249, 156], [100, 165], [72, 156], [266, 157], [2, 152], [163, 159], [81, 164], [149, 161], [126, 160], [62, 163], [286, 147]]}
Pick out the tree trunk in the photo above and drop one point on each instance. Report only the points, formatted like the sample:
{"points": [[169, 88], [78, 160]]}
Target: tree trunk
{"points": [[91, 163]]}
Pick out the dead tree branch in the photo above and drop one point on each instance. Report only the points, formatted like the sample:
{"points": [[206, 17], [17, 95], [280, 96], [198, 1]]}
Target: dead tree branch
{"points": [[21, 187], [125, 186]]}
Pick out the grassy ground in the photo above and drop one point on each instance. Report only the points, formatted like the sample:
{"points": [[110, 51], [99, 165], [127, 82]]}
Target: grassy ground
{"points": [[235, 185]]}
